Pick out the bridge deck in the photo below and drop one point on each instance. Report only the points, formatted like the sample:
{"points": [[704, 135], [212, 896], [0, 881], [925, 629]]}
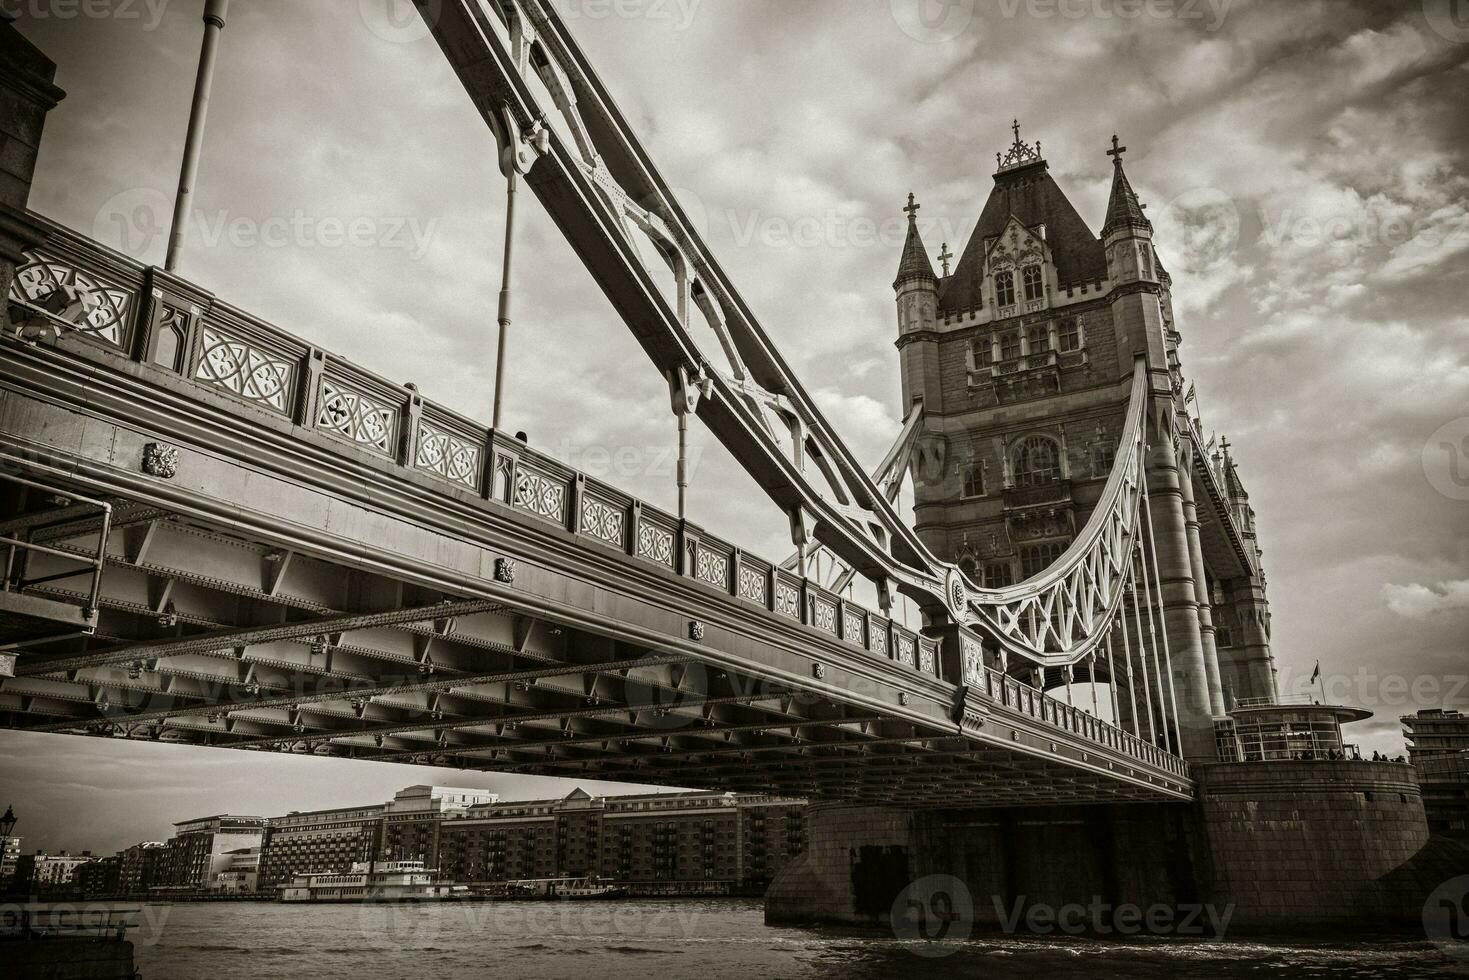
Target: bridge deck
{"points": [[304, 557]]}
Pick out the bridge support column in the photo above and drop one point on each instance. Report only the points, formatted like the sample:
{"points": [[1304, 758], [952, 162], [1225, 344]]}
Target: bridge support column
{"points": [[26, 95], [1179, 601], [1201, 587], [866, 865], [1265, 847], [855, 865], [1249, 664]]}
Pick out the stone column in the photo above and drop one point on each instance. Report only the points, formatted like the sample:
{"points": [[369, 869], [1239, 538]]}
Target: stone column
{"points": [[26, 95], [1201, 586], [1252, 665], [1179, 600], [855, 865]]}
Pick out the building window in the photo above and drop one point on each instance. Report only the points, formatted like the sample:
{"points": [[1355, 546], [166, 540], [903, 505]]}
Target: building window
{"points": [[1037, 462], [1005, 288], [1070, 334], [1103, 455], [1031, 276], [1147, 255], [998, 575], [1036, 558], [1223, 637], [1009, 346], [984, 354], [1040, 338], [974, 480]]}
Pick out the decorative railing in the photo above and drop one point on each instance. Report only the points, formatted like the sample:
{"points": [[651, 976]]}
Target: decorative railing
{"points": [[76, 287], [1001, 688], [151, 317]]}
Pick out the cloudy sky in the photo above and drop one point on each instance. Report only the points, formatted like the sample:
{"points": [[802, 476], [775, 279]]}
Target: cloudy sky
{"points": [[1304, 163]]}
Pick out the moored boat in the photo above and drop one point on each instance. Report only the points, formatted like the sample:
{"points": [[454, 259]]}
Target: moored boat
{"points": [[373, 881], [589, 887]]}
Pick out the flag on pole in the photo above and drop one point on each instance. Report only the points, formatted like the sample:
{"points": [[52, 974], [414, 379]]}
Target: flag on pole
{"points": [[1315, 674]]}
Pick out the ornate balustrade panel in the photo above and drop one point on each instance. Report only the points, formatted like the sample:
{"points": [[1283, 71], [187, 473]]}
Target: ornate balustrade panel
{"points": [[248, 370], [604, 520], [349, 412], [822, 610], [854, 624], [66, 289], [753, 582], [712, 563], [450, 448], [787, 598], [657, 542], [540, 493]]}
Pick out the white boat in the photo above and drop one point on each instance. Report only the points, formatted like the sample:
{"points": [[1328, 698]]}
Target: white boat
{"points": [[563, 888], [373, 881]]}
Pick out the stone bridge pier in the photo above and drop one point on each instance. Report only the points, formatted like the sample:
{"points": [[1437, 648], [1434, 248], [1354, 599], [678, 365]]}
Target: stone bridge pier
{"points": [[1272, 846]]}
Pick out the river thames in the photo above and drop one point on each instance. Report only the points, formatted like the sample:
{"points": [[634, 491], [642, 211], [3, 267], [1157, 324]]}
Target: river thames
{"points": [[724, 938]]}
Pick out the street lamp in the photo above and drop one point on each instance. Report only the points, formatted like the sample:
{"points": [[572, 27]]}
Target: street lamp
{"points": [[7, 822]]}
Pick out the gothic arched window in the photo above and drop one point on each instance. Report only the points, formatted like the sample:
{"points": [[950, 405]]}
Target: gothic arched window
{"points": [[1037, 558], [1147, 261], [1039, 336], [1037, 461], [1009, 346], [1032, 278], [1070, 333], [1005, 288]]}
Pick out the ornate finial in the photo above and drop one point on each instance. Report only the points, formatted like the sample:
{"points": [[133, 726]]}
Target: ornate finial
{"points": [[944, 256], [912, 209], [1116, 152], [1019, 153]]}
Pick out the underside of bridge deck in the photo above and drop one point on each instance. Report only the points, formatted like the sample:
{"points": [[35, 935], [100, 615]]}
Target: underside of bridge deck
{"points": [[207, 638]]}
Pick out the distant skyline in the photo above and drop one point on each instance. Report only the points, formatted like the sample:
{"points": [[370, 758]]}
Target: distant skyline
{"points": [[1305, 166]]}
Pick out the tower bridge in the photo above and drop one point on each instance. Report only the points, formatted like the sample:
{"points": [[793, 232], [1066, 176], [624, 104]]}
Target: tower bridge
{"points": [[219, 534]]}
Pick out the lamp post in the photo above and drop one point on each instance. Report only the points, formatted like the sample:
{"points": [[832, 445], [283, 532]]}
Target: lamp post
{"points": [[7, 822], [214, 14]]}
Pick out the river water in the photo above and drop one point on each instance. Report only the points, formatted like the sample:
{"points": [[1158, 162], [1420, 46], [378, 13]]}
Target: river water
{"points": [[671, 940]]}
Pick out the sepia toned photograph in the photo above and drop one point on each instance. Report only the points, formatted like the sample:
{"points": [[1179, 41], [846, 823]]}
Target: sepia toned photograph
{"points": [[740, 489]]}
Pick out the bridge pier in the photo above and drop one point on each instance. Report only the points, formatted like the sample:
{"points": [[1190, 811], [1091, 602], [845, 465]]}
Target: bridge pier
{"points": [[1269, 846]]}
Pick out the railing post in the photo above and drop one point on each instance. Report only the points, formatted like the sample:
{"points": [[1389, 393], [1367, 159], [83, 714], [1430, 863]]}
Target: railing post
{"points": [[410, 413], [312, 367], [634, 526], [575, 492], [736, 558]]}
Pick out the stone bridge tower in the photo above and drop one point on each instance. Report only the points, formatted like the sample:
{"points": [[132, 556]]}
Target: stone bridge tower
{"points": [[1022, 355]]}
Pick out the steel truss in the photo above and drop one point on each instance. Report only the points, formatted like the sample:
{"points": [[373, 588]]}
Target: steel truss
{"points": [[557, 125]]}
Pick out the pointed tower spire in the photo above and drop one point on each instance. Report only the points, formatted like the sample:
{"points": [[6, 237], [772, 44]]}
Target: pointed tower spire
{"points": [[915, 263], [1123, 209]]}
